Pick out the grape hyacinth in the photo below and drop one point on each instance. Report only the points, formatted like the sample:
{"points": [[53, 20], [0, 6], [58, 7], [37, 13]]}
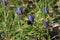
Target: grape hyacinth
{"points": [[2, 34], [19, 10], [30, 19], [45, 24], [4, 2], [46, 10]]}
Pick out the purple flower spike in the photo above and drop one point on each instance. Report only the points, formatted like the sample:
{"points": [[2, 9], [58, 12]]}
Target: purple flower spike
{"points": [[31, 18], [4, 2], [3, 34], [46, 10], [45, 24], [19, 10]]}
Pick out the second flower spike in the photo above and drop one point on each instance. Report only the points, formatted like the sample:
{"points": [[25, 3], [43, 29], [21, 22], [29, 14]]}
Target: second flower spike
{"points": [[45, 24], [46, 10], [30, 18], [19, 10], [3, 34], [4, 2]]}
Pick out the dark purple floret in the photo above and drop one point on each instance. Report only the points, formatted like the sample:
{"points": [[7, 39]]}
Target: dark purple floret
{"points": [[4, 2], [3, 34], [19, 10], [31, 18], [46, 10], [29, 22], [45, 24]]}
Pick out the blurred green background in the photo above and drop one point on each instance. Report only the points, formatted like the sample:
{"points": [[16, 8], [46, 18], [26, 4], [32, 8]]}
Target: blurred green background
{"points": [[16, 27]]}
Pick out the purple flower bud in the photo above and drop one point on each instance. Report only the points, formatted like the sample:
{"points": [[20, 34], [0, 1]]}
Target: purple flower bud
{"points": [[19, 10], [46, 10], [45, 24], [4, 2], [3, 34], [31, 18]]}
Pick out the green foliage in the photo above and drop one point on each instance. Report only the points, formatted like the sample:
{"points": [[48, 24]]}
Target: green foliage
{"points": [[17, 28]]}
